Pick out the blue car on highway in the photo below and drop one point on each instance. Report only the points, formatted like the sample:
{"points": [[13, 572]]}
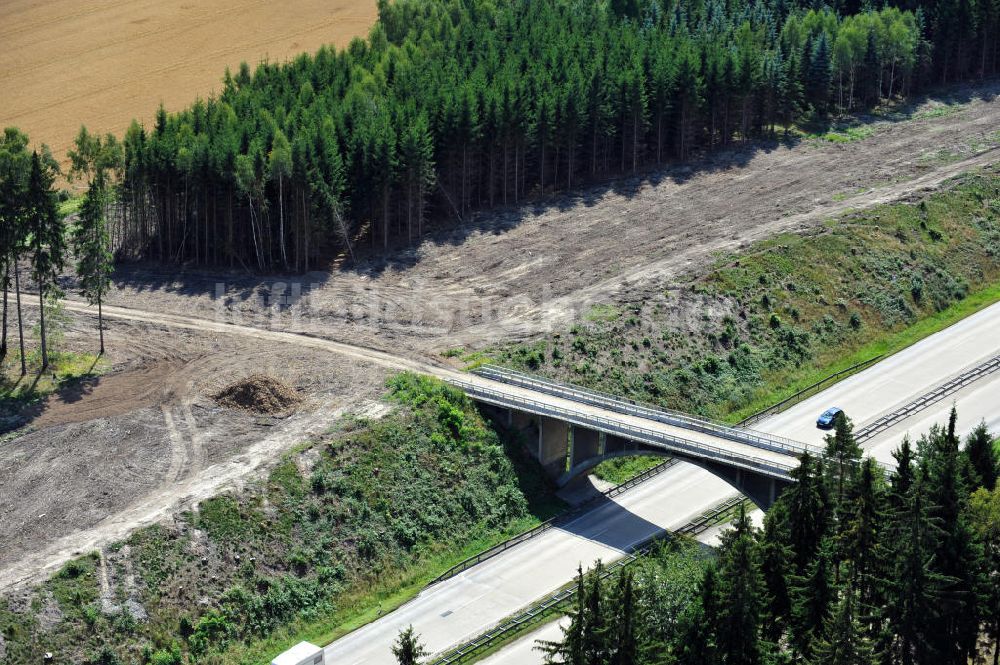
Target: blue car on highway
{"points": [[826, 420]]}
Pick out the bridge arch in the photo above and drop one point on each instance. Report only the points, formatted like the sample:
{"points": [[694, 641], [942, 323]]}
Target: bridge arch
{"points": [[567, 447], [762, 490]]}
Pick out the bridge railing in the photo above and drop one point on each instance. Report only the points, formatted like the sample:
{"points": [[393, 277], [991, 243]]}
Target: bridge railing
{"points": [[679, 445], [594, 398]]}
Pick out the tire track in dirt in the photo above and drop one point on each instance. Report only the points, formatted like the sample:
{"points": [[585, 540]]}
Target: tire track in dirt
{"points": [[158, 505], [178, 448]]}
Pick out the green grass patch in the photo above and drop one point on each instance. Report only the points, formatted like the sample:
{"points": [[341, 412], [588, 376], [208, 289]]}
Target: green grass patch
{"points": [[849, 134], [622, 469], [938, 111], [603, 313], [892, 343], [70, 205], [66, 369]]}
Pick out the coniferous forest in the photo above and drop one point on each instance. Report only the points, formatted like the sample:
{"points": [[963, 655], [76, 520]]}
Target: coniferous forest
{"points": [[851, 567], [456, 105]]}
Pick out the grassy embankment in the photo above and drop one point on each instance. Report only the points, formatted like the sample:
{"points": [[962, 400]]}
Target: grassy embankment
{"points": [[343, 529], [786, 312], [65, 367]]}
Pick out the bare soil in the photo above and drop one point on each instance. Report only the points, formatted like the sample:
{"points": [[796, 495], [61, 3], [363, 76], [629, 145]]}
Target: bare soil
{"points": [[259, 393], [146, 440], [521, 271], [102, 63]]}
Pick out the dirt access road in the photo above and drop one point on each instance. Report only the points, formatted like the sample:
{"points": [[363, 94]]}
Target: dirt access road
{"points": [[146, 440], [102, 63], [520, 271], [86, 474]]}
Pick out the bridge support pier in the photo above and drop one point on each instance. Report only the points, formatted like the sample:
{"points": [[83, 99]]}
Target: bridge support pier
{"points": [[584, 444], [553, 444], [565, 451]]}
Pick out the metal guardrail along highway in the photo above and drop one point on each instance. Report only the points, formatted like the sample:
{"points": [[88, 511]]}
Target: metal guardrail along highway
{"points": [[808, 391], [684, 447], [554, 522], [594, 398], [927, 399], [706, 520]]}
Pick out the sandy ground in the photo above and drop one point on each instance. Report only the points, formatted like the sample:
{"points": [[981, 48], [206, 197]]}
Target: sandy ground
{"points": [[102, 63], [517, 272], [144, 440]]}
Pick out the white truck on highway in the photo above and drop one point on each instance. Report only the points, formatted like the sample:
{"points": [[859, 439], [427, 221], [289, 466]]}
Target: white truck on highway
{"points": [[302, 653]]}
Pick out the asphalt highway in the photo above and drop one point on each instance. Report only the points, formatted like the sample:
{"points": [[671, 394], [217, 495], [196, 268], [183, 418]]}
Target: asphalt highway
{"points": [[464, 606]]}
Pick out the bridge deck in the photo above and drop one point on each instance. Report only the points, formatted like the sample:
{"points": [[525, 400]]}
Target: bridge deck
{"points": [[619, 405], [692, 444]]}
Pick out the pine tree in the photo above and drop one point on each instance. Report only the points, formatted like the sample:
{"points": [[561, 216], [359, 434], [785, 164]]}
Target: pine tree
{"points": [[407, 649], [742, 596], [90, 245], [47, 240], [844, 642], [812, 597], [808, 516], [280, 168], [982, 458], [15, 166]]}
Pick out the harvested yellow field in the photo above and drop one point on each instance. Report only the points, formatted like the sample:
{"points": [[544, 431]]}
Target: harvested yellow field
{"points": [[101, 63]]}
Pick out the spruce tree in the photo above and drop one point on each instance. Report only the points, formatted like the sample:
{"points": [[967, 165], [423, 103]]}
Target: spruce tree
{"points": [[625, 641], [820, 74], [862, 536], [808, 516], [408, 650], [914, 588], [903, 479], [742, 596], [90, 245], [698, 643], [982, 458], [844, 642], [984, 517], [957, 555], [776, 565], [843, 453], [812, 597], [47, 239]]}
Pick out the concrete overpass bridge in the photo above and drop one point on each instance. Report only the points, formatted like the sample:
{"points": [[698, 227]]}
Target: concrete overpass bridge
{"points": [[576, 429]]}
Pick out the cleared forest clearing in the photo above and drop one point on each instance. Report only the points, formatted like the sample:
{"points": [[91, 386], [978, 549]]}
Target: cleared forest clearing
{"points": [[512, 274], [521, 271], [104, 62]]}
